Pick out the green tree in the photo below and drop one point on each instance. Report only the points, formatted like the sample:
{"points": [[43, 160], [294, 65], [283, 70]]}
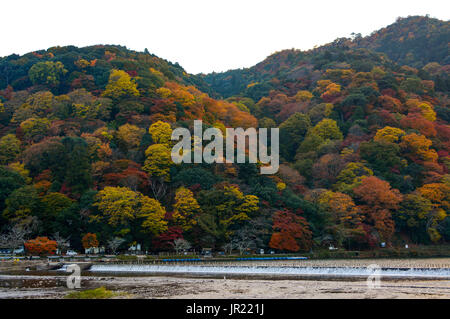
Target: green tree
{"points": [[48, 72], [9, 181], [196, 175], [327, 129], [381, 156], [225, 209], [9, 148], [52, 205], [292, 132], [77, 173], [413, 216], [351, 176], [35, 128], [21, 205]]}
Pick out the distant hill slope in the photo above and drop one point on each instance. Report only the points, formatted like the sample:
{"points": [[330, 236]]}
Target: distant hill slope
{"points": [[14, 68], [413, 41]]}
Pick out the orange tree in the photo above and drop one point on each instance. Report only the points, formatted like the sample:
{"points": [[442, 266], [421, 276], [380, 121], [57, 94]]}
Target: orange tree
{"points": [[41, 246], [378, 200], [89, 240]]}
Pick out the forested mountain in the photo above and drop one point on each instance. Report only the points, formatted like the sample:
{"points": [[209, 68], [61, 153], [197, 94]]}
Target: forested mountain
{"points": [[364, 144], [413, 41]]}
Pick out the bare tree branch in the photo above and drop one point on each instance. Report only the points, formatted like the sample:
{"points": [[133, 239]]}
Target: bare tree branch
{"points": [[115, 243], [181, 244], [15, 237], [62, 243]]}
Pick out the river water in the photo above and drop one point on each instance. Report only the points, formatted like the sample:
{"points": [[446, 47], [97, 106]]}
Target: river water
{"points": [[372, 269]]}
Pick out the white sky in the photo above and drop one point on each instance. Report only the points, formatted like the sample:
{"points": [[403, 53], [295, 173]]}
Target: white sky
{"points": [[201, 35]]}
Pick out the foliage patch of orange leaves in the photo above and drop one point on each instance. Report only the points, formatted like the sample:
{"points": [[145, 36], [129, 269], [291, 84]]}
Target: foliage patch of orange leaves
{"points": [[40, 246], [89, 240]]}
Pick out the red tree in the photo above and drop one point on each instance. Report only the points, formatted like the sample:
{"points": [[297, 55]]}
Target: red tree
{"points": [[292, 232], [418, 122], [164, 240], [132, 177], [379, 199]]}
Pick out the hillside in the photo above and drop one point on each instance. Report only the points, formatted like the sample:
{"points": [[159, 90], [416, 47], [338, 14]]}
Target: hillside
{"points": [[412, 41], [364, 145]]}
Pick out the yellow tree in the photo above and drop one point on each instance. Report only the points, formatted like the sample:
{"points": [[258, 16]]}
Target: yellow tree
{"points": [[185, 208], [130, 135], [119, 85], [332, 90], [161, 132], [427, 111], [351, 176], [327, 129], [119, 206], [158, 161], [346, 216], [439, 195], [303, 96], [248, 205], [224, 209], [345, 210], [419, 146], [389, 134], [424, 108], [164, 92]]}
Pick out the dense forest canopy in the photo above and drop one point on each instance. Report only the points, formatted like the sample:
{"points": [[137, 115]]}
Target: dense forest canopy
{"points": [[364, 145]]}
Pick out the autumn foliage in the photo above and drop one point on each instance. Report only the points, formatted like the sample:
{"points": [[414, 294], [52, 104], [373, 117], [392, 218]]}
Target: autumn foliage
{"points": [[89, 241], [40, 246], [85, 146], [291, 232], [378, 201]]}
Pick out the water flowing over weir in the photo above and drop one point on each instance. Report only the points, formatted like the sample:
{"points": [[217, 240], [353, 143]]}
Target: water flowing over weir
{"points": [[442, 273]]}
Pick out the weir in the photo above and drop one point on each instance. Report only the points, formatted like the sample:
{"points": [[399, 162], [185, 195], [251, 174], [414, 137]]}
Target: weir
{"points": [[443, 273]]}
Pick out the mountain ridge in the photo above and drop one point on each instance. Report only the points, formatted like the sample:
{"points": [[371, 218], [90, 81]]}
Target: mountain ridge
{"points": [[375, 42]]}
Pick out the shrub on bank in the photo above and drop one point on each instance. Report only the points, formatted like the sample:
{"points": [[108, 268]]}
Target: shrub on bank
{"points": [[127, 257], [98, 293]]}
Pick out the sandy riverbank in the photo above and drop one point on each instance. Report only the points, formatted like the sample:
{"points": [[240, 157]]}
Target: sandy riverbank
{"points": [[53, 285], [197, 288]]}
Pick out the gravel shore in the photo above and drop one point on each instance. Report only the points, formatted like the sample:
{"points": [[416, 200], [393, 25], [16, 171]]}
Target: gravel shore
{"points": [[197, 288], [134, 286]]}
